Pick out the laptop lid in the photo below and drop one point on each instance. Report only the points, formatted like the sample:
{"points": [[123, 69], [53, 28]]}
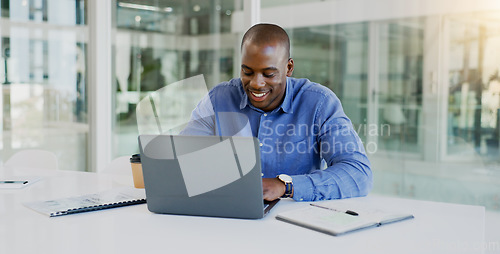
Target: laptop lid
{"points": [[203, 175]]}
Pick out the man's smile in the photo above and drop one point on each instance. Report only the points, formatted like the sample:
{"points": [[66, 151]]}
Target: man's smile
{"points": [[258, 96]]}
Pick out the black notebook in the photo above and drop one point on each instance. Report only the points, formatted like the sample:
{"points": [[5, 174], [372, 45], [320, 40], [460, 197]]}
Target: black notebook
{"points": [[103, 200], [337, 218]]}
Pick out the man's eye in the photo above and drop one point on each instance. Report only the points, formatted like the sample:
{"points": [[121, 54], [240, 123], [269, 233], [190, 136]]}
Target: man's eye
{"points": [[269, 75], [247, 73]]}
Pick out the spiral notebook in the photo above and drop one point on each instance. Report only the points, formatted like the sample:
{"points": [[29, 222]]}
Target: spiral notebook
{"points": [[91, 202]]}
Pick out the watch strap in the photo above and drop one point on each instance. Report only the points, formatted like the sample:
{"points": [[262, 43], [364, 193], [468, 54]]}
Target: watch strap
{"points": [[288, 190]]}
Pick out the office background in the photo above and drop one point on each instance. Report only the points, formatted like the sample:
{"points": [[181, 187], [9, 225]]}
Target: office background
{"points": [[419, 79]]}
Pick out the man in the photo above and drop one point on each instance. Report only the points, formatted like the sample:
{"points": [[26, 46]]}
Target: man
{"points": [[299, 124]]}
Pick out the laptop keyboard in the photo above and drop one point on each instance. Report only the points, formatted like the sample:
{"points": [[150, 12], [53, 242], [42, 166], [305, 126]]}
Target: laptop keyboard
{"points": [[267, 204]]}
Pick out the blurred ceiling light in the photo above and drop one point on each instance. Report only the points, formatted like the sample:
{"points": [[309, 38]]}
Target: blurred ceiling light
{"points": [[137, 18], [145, 7], [196, 8], [25, 2]]}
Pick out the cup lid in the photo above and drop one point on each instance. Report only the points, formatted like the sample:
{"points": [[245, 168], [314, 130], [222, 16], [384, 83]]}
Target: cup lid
{"points": [[136, 158]]}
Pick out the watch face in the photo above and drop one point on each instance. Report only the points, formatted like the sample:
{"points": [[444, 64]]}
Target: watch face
{"points": [[285, 178]]}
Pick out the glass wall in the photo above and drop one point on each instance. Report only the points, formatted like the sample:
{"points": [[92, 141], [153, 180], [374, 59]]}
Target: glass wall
{"points": [[44, 79], [474, 87], [161, 42], [399, 88]]}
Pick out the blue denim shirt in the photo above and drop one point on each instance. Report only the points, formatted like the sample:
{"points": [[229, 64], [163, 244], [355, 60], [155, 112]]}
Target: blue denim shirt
{"points": [[308, 137]]}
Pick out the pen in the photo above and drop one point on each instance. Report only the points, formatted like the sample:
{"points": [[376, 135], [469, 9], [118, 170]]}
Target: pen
{"points": [[347, 211], [18, 182]]}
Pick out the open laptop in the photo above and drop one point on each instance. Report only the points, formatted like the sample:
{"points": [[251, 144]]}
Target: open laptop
{"points": [[203, 175]]}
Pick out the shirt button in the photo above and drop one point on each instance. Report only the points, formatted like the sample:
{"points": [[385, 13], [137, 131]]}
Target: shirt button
{"points": [[265, 114], [261, 144]]}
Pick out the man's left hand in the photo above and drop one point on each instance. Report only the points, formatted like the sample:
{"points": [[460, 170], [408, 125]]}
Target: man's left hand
{"points": [[273, 188]]}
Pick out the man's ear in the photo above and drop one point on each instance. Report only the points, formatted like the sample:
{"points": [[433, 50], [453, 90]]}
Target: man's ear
{"points": [[289, 67]]}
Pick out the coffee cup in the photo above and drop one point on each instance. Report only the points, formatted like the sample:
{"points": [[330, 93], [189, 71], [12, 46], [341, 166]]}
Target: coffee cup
{"points": [[135, 162]]}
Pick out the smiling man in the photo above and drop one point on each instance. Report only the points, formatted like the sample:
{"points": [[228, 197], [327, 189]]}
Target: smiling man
{"points": [[309, 149]]}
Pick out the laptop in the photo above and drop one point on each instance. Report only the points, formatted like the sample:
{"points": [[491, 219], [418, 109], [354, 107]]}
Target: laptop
{"points": [[213, 176]]}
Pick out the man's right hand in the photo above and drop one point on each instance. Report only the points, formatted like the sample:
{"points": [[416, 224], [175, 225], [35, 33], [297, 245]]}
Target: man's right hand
{"points": [[272, 188]]}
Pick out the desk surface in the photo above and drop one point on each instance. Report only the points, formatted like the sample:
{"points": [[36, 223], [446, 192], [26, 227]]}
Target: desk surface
{"points": [[437, 227]]}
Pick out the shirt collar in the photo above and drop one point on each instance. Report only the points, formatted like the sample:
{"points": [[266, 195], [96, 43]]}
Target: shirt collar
{"points": [[244, 97], [287, 102]]}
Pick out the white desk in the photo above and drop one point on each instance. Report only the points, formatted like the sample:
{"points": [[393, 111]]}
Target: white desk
{"points": [[437, 227]]}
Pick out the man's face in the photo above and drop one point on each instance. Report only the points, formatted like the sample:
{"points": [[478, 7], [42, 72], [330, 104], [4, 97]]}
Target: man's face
{"points": [[264, 69]]}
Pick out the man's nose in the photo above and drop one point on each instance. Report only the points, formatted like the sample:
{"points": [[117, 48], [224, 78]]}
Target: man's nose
{"points": [[257, 81]]}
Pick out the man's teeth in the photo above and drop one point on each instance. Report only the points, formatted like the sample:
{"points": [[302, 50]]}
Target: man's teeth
{"points": [[259, 94]]}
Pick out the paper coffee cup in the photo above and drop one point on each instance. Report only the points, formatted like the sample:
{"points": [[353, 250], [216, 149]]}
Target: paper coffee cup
{"points": [[135, 162]]}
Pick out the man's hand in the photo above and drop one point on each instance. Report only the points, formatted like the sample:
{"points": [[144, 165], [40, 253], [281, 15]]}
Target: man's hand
{"points": [[273, 188]]}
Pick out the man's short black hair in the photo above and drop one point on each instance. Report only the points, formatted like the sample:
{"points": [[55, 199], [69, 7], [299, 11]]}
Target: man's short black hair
{"points": [[264, 33]]}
